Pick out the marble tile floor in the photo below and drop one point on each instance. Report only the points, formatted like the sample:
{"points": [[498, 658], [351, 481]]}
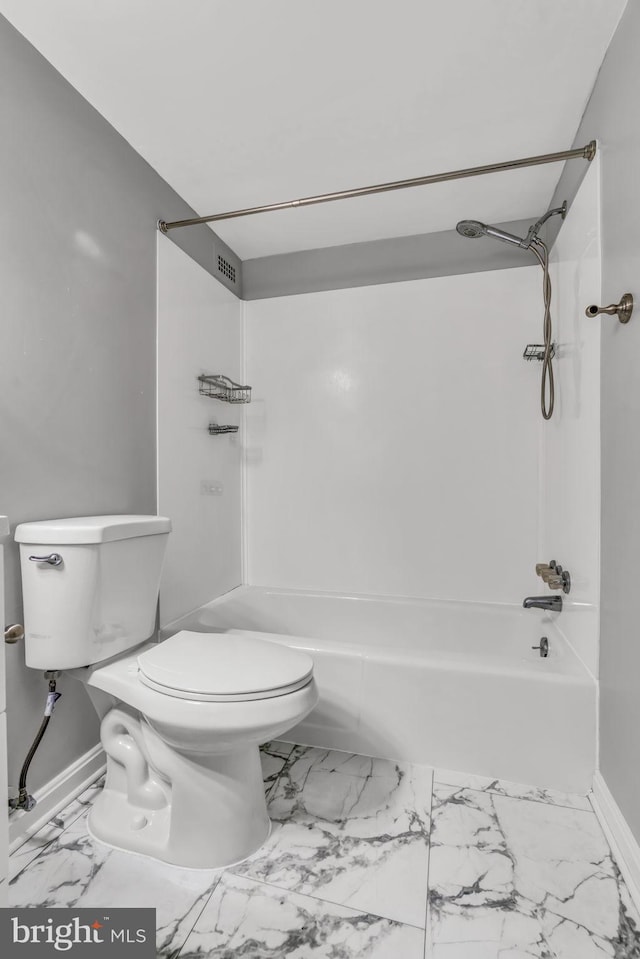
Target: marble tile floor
{"points": [[368, 859]]}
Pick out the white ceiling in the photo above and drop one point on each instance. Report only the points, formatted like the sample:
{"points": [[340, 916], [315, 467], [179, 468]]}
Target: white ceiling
{"points": [[247, 102]]}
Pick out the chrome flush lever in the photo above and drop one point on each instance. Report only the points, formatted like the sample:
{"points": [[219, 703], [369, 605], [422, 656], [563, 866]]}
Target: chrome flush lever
{"points": [[53, 559]]}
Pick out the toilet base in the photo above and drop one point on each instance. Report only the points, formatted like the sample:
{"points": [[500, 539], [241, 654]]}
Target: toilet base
{"points": [[190, 809]]}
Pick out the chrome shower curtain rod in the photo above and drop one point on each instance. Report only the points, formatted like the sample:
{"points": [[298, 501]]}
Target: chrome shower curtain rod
{"points": [[586, 153]]}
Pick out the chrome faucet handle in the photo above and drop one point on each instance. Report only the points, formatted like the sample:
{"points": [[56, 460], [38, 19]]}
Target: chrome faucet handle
{"points": [[561, 581], [547, 569]]}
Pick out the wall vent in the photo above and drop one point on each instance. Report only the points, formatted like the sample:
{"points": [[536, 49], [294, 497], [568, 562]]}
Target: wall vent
{"points": [[227, 269]]}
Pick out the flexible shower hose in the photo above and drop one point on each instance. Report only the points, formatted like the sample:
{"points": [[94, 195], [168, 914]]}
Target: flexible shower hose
{"points": [[547, 385]]}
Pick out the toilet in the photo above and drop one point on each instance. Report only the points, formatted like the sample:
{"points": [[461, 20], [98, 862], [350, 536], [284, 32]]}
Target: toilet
{"points": [[181, 720]]}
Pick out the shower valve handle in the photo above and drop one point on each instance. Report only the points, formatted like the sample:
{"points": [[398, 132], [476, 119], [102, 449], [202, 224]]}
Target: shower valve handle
{"points": [[546, 570], [562, 580]]}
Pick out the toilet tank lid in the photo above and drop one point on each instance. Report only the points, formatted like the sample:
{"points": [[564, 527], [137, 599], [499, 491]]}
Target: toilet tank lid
{"points": [[90, 529]]}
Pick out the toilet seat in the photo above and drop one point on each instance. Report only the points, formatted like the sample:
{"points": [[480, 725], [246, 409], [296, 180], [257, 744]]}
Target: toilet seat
{"points": [[223, 667]]}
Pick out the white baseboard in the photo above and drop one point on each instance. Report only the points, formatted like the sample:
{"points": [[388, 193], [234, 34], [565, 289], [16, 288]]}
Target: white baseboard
{"points": [[624, 845], [57, 793]]}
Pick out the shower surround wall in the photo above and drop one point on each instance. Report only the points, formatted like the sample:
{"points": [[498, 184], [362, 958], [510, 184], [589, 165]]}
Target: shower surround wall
{"points": [[392, 438], [570, 441], [199, 484]]}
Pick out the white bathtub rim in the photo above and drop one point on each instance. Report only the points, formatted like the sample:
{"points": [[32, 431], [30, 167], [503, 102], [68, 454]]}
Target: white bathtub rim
{"points": [[572, 670], [391, 598]]}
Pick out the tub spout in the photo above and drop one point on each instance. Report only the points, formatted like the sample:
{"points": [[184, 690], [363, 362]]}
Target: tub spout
{"points": [[543, 602]]}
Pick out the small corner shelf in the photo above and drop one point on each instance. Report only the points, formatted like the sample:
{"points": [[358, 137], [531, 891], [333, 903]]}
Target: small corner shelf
{"points": [[535, 351], [215, 429], [220, 387]]}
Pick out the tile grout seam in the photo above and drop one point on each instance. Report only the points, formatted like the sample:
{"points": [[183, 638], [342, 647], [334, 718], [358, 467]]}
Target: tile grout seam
{"points": [[427, 907], [494, 792], [331, 902], [40, 850], [175, 955]]}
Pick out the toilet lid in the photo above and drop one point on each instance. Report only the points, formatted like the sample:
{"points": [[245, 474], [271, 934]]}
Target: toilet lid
{"points": [[223, 667]]}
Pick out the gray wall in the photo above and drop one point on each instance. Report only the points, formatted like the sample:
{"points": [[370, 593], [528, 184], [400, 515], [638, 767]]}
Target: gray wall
{"points": [[613, 117], [77, 334]]}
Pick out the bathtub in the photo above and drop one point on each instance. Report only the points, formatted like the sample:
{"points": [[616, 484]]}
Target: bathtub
{"points": [[452, 685]]}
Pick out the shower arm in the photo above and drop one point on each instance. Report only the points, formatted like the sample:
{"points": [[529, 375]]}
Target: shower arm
{"points": [[587, 152]]}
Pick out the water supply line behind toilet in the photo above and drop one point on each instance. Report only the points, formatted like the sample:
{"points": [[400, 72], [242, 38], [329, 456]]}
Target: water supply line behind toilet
{"points": [[23, 799]]}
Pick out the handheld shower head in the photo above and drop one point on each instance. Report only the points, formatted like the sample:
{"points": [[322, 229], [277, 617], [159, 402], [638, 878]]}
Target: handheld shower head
{"points": [[473, 229]]}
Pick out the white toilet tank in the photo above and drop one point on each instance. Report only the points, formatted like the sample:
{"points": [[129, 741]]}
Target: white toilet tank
{"points": [[90, 586]]}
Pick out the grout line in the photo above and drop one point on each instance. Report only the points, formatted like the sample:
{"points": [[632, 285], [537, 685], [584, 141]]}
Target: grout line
{"points": [[175, 954], [427, 910], [333, 902], [37, 853], [39, 850], [381, 759], [427, 919], [496, 792]]}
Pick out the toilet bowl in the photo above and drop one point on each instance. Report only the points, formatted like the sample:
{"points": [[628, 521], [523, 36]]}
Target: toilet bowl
{"points": [[181, 730], [181, 720]]}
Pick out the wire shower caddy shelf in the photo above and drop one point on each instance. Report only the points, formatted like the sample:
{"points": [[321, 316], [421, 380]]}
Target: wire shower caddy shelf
{"points": [[220, 387], [535, 351]]}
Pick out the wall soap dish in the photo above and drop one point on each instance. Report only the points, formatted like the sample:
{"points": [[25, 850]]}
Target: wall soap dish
{"points": [[220, 387], [215, 429], [535, 351]]}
